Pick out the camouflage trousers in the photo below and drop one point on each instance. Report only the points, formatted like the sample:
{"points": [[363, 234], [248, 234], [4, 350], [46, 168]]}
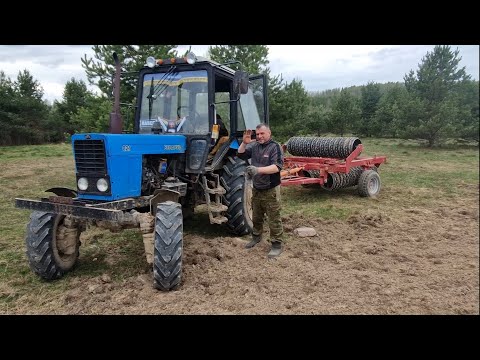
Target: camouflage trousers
{"points": [[267, 202]]}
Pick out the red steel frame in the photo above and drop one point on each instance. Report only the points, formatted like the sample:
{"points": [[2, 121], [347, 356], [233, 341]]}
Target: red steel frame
{"points": [[292, 173]]}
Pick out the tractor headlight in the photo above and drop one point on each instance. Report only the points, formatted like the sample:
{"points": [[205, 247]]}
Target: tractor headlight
{"points": [[82, 184], [151, 61], [191, 58], [198, 147], [102, 185]]}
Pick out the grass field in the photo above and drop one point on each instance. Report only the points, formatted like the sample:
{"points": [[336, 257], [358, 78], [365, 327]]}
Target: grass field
{"points": [[412, 177]]}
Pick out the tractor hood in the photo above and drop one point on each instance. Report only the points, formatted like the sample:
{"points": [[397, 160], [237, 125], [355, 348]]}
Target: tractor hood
{"points": [[117, 159], [134, 144]]}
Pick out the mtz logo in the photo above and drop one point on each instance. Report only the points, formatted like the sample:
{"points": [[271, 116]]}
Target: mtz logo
{"points": [[172, 147], [126, 148]]}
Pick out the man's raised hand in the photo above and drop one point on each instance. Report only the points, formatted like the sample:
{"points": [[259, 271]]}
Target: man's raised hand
{"points": [[247, 137]]}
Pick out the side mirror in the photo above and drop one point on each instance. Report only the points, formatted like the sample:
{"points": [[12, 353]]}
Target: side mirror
{"points": [[240, 82]]}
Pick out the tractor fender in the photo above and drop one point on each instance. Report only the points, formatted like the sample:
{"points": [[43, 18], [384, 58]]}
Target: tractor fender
{"points": [[61, 191], [162, 195]]}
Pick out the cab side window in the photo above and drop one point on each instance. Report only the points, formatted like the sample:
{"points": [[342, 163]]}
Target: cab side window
{"points": [[223, 109]]}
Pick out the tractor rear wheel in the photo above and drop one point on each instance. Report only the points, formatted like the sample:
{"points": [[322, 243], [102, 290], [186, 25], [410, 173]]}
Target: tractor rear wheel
{"points": [[167, 254], [369, 183], [52, 245], [238, 197]]}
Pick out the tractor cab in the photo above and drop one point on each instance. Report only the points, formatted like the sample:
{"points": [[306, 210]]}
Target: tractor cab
{"points": [[188, 95]]}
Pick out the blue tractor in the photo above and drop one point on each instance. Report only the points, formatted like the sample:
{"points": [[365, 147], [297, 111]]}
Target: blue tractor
{"points": [[189, 120]]}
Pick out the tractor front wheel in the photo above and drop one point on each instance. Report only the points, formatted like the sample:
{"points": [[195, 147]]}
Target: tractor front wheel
{"points": [[167, 254], [52, 244]]}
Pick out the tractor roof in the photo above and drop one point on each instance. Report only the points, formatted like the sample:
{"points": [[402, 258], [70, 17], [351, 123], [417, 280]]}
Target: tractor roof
{"points": [[199, 59]]}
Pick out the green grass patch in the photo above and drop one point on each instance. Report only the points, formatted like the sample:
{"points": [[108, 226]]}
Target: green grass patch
{"points": [[35, 151]]}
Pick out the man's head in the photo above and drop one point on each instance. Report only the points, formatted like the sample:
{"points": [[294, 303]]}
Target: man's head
{"points": [[263, 133]]}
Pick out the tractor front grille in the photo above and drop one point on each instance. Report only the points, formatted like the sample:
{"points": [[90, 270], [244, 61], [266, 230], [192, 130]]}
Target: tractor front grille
{"points": [[90, 157]]}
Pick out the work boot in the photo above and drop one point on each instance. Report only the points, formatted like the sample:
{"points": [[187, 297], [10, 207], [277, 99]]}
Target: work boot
{"points": [[255, 240], [276, 249]]}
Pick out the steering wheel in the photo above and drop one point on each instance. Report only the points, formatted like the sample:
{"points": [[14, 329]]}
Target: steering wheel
{"points": [[197, 114]]}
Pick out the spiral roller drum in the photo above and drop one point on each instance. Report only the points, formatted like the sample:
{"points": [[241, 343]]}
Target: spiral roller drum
{"points": [[339, 180], [331, 147]]}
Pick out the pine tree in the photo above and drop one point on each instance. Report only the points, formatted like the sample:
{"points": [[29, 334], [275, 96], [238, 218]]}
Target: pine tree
{"points": [[253, 58], [345, 113], [101, 69], [369, 100], [75, 96], [434, 87]]}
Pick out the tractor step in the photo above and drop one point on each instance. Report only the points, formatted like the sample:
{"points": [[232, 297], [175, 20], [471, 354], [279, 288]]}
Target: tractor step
{"points": [[219, 220], [217, 190], [215, 208]]}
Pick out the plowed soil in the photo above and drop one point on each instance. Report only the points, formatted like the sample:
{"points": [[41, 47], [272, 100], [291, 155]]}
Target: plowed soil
{"points": [[415, 260]]}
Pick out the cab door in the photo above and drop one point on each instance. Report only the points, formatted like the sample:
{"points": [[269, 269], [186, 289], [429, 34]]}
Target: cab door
{"points": [[259, 86], [253, 106]]}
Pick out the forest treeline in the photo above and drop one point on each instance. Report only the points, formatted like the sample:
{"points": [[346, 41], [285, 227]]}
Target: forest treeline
{"points": [[436, 102]]}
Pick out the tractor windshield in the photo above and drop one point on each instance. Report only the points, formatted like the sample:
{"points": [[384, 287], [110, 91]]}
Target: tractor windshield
{"points": [[175, 102]]}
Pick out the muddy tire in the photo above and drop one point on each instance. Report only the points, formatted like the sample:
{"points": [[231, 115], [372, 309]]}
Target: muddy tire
{"points": [[238, 197], [369, 183], [50, 253], [168, 246]]}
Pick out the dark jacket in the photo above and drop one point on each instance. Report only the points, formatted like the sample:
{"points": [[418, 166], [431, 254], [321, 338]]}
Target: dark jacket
{"points": [[262, 155]]}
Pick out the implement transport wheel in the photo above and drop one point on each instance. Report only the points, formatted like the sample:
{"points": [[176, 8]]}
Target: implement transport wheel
{"points": [[238, 197], [167, 260], [369, 183], [52, 247]]}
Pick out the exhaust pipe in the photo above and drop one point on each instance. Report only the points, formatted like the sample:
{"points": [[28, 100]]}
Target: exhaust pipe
{"points": [[116, 123]]}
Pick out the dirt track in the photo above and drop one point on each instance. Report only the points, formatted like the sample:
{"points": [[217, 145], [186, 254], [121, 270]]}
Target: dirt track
{"points": [[401, 261]]}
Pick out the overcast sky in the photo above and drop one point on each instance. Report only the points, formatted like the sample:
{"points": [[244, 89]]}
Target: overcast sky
{"points": [[320, 67]]}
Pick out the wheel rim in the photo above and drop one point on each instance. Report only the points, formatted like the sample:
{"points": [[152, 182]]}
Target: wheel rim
{"points": [[373, 186], [65, 259]]}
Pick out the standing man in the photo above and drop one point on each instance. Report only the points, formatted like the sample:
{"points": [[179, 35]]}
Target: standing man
{"points": [[267, 162]]}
